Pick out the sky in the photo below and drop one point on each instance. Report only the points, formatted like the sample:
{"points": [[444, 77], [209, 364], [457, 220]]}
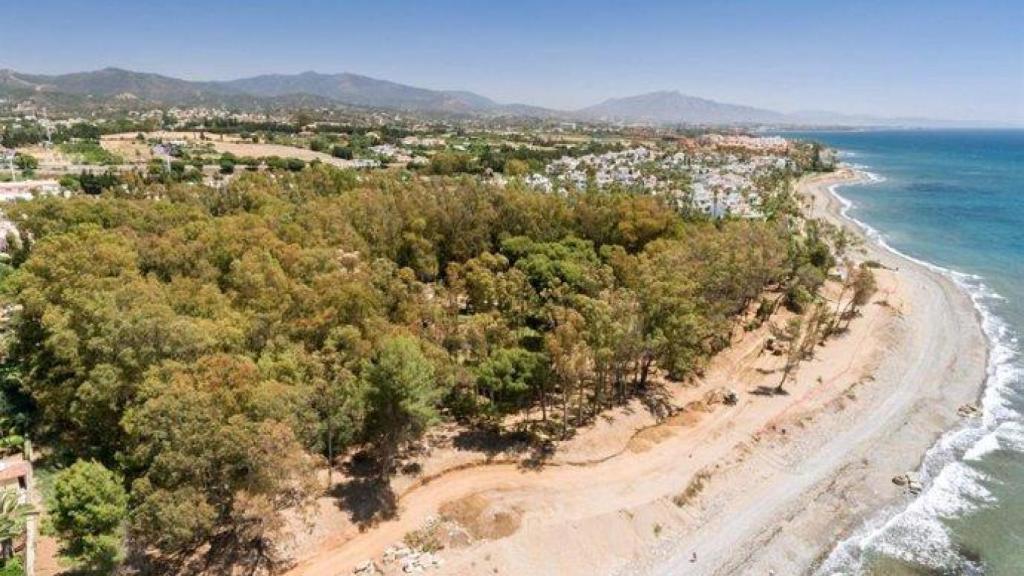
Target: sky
{"points": [[944, 59]]}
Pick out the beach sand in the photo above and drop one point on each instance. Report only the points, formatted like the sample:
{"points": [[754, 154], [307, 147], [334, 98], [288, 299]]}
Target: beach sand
{"points": [[766, 485], [839, 472]]}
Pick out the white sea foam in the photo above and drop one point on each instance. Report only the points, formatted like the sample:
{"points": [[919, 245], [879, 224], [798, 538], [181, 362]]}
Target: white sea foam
{"points": [[1007, 436], [988, 444], [953, 486], [1011, 436]]}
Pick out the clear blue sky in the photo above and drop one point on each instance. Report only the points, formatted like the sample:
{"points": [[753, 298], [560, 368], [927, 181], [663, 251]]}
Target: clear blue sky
{"points": [[941, 58]]}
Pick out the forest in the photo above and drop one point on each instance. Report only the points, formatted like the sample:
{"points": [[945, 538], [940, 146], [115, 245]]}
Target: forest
{"points": [[208, 349]]}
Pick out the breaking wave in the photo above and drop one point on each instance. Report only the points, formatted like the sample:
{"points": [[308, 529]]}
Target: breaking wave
{"points": [[952, 484]]}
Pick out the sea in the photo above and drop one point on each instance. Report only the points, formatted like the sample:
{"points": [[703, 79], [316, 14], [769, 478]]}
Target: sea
{"points": [[953, 200]]}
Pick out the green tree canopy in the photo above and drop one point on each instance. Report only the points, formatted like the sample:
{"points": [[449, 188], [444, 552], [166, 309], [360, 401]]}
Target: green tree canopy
{"points": [[88, 507], [401, 395]]}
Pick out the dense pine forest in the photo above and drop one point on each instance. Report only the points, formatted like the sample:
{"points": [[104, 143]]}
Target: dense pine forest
{"points": [[211, 348]]}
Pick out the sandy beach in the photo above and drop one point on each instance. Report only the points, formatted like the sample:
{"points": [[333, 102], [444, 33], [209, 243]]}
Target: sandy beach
{"points": [[839, 472], [769, 484]]}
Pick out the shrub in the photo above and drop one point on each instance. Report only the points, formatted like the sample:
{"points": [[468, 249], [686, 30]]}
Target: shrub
{"points": [[88, 507], [25, 162], [13, 567]]}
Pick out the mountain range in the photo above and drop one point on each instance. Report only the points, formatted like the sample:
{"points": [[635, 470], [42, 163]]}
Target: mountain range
{"points": [[315, 89]]}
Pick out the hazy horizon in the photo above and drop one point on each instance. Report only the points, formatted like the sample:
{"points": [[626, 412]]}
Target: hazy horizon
{"points": [[938, 60]]}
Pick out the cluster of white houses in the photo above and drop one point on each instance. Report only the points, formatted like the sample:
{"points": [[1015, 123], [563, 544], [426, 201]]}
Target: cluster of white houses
{"points": [[709, 179], [622, 168], [724, 184], [390, 153]]}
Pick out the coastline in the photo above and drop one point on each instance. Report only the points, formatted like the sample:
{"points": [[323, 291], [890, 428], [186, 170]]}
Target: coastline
{"points": [[914, 531], [771, 484], [831, 205], [936, 365]]}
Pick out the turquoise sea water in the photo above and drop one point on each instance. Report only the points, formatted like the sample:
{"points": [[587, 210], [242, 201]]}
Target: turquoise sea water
{"points": [[955, 200]]}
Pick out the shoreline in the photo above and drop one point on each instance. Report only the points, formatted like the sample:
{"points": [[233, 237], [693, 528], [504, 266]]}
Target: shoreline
{"points": [[942, 467], [772, 483], [916, 391], [836, 208]]}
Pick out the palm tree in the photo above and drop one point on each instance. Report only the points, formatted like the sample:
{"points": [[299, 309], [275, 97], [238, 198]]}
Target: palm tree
{"points": [[13, 513]]}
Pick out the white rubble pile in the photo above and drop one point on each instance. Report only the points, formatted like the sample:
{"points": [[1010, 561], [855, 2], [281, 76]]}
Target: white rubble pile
{"points": [[366, 568], [411, 561]]}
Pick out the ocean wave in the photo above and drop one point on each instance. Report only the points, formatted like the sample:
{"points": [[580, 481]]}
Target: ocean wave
{"points": [[1006, 436], [953, 486], [988, 444], [917, 535], [865, 172]]}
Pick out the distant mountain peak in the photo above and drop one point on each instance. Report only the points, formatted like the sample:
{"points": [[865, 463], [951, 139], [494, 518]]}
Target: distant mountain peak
{"points": [[674, 107]]}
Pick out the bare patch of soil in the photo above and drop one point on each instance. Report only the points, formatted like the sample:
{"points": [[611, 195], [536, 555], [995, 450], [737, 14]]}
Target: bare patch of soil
{"points": [[483, 519]]}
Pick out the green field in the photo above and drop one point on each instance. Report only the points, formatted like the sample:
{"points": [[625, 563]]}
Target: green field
{"points": [[90, 152]]}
